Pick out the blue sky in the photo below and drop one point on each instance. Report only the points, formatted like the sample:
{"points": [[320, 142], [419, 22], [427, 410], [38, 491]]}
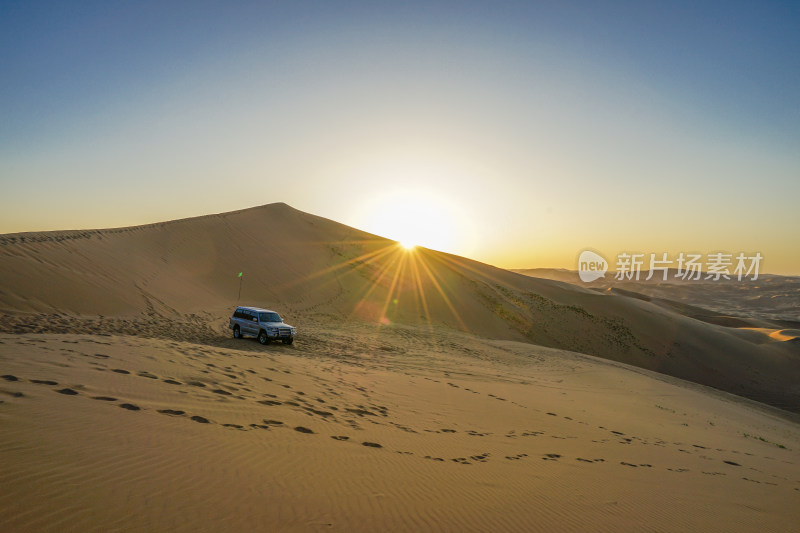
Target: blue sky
{"points": [[547, 127]]}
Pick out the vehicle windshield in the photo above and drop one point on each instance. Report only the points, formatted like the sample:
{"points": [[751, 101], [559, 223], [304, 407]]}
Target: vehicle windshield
{"points": [[269, 317]]}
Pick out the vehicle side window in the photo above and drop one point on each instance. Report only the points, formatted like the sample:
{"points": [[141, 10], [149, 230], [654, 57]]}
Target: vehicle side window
{"points": [[237, 313]]}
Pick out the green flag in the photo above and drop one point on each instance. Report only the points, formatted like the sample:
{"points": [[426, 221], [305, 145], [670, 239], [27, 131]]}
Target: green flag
{"points": [[240, 274]]}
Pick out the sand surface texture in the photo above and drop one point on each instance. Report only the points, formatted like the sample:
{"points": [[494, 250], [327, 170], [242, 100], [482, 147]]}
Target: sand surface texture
{"points": [[424, 391], [122, 433]]}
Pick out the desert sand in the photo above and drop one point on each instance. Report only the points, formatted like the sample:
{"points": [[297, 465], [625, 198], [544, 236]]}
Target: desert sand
{"points": [[425, 392], [769, 297]]}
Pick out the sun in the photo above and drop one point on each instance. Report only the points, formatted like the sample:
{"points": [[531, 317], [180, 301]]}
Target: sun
{"points": [[412, 218]]}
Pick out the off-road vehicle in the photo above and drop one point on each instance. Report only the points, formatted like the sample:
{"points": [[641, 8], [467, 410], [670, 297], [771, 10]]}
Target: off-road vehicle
{"points": [[263, 324]]}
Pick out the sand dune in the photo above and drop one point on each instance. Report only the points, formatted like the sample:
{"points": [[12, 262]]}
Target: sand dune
{"points": [[155, 280], [770, 297], [425, 391], [103, 433], [779, 335]]}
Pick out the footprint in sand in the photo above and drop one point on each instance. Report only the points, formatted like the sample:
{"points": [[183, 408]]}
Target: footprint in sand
{"points": [[201, 420], [371, 444], [551, 456], [340, 437], [9, 377], [516, 457], [172, 412], [104, 398], [44, 382], [302, 429], [120, 371], [236, 426], [318, 412], [361, 412], [172, 382], [68, 392], [146, 374], [130, 407]]}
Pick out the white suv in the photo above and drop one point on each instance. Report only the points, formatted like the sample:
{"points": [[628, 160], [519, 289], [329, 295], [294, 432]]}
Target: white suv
{"points": [[264, 324]]}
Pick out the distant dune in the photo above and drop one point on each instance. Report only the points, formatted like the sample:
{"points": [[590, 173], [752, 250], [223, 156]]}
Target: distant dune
{"points": [[770, 297], [170, 278]]}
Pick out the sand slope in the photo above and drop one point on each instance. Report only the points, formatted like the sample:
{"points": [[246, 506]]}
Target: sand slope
{"points": [[450, 433], [770, 297], [153, 280], [426, 392]]}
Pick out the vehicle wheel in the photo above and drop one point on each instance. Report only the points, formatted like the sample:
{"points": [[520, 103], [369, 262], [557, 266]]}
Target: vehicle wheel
{"points": [[237, 334], [288, 341], [262, 338]]}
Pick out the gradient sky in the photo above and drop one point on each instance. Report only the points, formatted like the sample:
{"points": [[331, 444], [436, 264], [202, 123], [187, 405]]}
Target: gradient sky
{"points": [[541, 128]]}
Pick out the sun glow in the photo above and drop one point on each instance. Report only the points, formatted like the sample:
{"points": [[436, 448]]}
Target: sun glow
{"points": [[413, 218]]}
